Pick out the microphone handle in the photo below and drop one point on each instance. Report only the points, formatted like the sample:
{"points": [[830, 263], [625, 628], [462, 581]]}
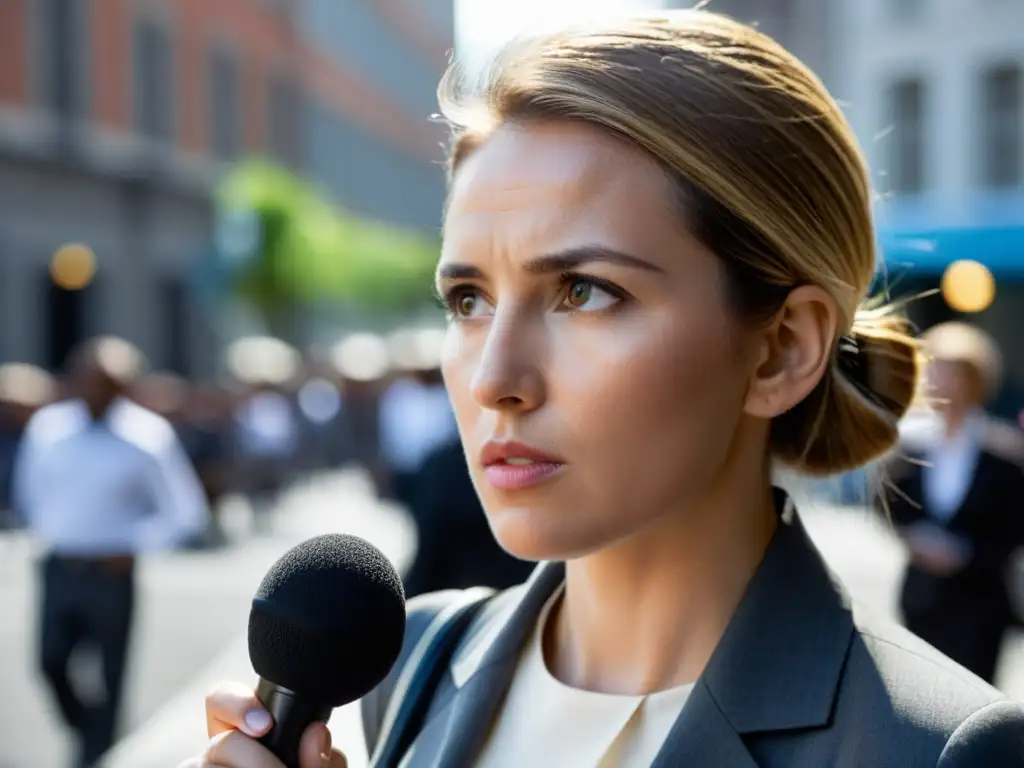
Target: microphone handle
{"points": [[292, 715]]}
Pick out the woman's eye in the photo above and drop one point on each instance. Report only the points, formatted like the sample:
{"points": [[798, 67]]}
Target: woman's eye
{"points": [[585, 296], [467, 303]]}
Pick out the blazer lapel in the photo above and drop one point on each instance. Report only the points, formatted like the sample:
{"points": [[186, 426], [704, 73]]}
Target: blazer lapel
{"points": [[454, 739], [702, 736], [779, 663]]}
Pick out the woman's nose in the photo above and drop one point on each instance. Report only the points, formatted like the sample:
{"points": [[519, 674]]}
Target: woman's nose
{"points": [[508, 375]]}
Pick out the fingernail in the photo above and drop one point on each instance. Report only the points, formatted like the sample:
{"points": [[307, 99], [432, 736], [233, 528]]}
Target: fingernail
{"points": [[325, 747], [257, 721]]}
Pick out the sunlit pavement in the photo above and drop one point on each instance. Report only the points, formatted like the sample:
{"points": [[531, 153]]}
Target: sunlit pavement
{"points": [[191, 627]]}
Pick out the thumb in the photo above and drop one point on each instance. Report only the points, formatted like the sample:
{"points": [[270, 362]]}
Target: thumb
{"points": [[315, 750]]}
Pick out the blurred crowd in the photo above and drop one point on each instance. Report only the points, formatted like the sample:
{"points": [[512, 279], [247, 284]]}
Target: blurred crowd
{"points": [[372, 402], [275, 416]]}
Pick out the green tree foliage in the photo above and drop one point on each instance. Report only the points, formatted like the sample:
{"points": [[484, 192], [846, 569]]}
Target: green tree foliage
{"points": [[311, 251]]}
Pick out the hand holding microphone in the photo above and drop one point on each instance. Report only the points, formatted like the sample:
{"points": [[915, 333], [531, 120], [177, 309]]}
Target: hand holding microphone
{"points": [[326, 626], [232, 711]]}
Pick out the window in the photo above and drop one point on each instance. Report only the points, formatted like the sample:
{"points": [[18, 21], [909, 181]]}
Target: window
{"points": [[285, 104], [1002, 129], [153, 81], [64, 314], [906, 114], [177, 321], [63, 48], [225, 106]]}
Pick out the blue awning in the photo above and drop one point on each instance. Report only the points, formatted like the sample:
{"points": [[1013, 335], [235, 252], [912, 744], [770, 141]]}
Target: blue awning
{"points": [[929, 252], [923, 234]]}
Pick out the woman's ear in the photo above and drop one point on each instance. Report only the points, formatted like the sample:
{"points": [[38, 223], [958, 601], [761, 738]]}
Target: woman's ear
{"points": [[795, 350]]}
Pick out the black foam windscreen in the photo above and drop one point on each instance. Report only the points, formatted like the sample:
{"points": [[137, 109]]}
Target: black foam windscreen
{"points": [[328, 620]]}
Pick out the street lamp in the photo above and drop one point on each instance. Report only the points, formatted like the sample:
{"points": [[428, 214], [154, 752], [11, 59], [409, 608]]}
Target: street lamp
{"points": [[73, 267], [968, 286]]}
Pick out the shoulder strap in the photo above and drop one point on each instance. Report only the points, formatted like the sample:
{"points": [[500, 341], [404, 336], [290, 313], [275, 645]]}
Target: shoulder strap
{"points": [[420, 676]]}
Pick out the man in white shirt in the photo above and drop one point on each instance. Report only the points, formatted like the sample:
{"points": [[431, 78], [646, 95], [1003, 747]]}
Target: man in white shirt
{"points": [[99, 480]]}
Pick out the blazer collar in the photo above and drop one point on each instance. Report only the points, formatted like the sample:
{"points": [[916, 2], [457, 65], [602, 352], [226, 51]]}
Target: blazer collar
{"points": [[778, 665], [787, 641]]}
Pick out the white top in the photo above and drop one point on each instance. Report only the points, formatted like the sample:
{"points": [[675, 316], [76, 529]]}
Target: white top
{"points": [[117, 486], [546, 723], [267, 426], [414, 420], [949, 469]]}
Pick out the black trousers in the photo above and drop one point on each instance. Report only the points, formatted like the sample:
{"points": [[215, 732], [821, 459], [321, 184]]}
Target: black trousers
{"points": [[966, 624], [86, 602]]}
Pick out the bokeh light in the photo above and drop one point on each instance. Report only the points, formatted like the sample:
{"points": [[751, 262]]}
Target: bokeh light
{"points": [[968, 286], [73, 266]]}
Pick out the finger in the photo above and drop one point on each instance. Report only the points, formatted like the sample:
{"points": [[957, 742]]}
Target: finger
{"points": [[232, 749], [315, 749], [234, 707]]}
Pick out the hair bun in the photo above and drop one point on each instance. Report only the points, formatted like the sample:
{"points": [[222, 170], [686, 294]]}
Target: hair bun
{"points": [[853, 415]]}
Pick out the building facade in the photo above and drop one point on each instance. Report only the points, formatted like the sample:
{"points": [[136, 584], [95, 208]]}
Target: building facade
{"points": [[118, 117], [935, 91]]}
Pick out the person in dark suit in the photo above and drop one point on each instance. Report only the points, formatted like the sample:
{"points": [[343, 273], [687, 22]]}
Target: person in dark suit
{"points": [[656, 244], [456, 548], [958, 503]]}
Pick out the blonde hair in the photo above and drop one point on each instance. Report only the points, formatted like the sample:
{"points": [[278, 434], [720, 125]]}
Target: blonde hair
{"points": [[968, 344], [769, 176]]}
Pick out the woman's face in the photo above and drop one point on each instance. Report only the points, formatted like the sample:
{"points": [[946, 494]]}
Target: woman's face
{"points": [[953, 386], [596, 370]]}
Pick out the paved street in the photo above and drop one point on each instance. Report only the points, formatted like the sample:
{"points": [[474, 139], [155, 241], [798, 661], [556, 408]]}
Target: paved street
{"points": [[191, 605], [191, 627]]}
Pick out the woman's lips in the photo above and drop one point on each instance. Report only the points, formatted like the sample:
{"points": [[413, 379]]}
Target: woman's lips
{"points": [[511, 465], [517, 475]]}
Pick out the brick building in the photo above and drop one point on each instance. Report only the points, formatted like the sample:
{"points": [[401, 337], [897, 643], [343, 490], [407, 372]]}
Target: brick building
{"points": [[117, 117]]}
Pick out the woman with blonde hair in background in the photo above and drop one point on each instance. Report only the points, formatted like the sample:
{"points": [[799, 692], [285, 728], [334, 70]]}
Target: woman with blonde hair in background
{"points": [[958, 503], [656, 241]]}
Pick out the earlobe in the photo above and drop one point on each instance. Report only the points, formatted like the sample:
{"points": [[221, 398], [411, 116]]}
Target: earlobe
{"points": [[795, 352]]}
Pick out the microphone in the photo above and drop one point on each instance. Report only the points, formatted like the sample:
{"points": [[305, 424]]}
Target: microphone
{"points": [[326, 626]]}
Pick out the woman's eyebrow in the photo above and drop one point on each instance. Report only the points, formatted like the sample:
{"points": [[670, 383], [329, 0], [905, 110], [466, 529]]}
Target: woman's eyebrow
{"points": [[570, 258], [560, 261]]}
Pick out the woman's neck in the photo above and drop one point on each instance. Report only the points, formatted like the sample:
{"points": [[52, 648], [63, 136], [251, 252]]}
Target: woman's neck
{"points": [[646, 614]]}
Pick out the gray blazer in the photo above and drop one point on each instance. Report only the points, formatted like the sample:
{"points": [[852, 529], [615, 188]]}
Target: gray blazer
{"points": [[801, 679]]}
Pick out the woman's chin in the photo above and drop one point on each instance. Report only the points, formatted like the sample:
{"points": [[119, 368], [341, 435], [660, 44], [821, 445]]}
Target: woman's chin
{"points": [[527, 535]]}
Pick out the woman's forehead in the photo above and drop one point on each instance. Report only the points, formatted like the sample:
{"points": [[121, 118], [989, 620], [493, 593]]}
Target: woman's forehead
{"points": [[551, 174]]}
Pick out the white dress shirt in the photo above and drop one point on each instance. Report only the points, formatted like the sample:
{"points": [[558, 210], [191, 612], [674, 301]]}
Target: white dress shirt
{"points": [[268, 427], [546, 723], [120, 485], [414, 420], [949, 469]]}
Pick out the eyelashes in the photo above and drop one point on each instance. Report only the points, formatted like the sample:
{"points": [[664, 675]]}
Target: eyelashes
{"points": [[577, 293]]}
